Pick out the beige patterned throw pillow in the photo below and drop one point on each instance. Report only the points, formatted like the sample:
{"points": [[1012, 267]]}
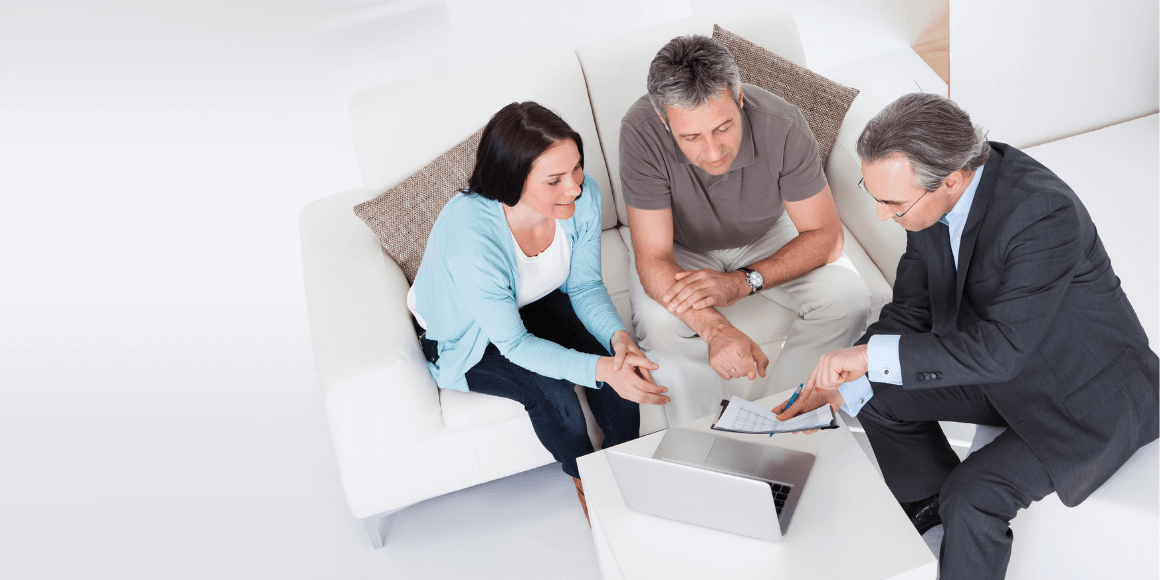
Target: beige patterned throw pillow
{"points": [[822, 101], [403, 215]]}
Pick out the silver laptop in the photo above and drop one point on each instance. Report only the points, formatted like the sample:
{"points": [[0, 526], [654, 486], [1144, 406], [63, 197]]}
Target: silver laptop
{"points": [[716, 482]]}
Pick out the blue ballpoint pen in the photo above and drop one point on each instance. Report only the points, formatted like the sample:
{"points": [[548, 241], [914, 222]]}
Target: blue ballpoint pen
{"points": [[792, 398]]}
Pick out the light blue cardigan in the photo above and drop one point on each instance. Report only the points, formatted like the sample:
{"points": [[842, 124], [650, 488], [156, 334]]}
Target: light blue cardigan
{"points": [[466, 291]]}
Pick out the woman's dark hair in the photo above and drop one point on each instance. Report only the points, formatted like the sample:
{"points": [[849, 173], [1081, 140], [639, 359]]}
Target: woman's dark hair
{"points": [[512, 140]]}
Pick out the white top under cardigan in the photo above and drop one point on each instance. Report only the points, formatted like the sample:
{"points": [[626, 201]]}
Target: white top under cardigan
{"points": [[539, 274]]}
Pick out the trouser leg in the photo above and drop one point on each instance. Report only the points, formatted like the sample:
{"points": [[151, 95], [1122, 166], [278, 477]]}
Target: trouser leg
{"points": [[831, 303], [694, 388], [902, 426], [833, 309], [552, 318], [616, 416], [555, 412], [551, 404], [978, 501]]}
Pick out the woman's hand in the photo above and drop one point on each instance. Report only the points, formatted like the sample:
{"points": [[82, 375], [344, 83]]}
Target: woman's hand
{"points": [[626, 351], [628, 372]]}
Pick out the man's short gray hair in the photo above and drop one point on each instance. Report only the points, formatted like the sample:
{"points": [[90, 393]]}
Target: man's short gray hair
{"points": [[934, 134], [690, 70]]}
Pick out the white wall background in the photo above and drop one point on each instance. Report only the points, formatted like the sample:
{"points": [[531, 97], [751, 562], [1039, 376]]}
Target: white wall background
{"points": [[1034, 71]]}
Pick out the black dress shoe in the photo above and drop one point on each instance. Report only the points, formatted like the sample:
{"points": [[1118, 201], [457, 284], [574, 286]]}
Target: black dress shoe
{"points": [[923, 514]]}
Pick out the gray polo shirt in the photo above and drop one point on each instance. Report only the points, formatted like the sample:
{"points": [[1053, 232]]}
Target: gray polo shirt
{"points": [[777, 160]]}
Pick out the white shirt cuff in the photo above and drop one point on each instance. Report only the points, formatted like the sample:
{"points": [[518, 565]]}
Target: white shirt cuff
{"points": [[856, 392], [882, 359]]}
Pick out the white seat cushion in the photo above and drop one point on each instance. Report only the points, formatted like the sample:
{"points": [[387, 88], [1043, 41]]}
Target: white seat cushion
{"points": [[470, 410]]}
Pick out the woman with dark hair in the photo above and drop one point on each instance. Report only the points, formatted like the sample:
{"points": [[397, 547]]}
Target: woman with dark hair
{"points": [[509, 295]]}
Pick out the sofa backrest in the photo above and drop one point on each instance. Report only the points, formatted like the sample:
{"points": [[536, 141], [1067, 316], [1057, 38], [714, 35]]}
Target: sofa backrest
{"points": [[400, 127], [884, 241], [616, 67]]}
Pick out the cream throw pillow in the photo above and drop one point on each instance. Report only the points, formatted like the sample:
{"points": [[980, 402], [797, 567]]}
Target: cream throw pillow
{"points": [[822, 101], [403, 215]]}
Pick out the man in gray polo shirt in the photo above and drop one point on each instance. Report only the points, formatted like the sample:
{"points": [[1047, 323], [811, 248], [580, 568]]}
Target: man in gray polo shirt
{"points": [[728, 204]]}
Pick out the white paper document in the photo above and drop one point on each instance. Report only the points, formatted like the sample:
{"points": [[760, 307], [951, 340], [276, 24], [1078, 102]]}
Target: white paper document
{"points": [[742, 416]]}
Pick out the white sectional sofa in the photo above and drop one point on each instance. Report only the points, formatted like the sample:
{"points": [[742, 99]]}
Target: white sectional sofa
{"points": [[397, 437]]}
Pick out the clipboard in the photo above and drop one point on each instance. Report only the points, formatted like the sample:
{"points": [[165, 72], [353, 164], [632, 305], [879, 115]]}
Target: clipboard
{"points": [[833, 423]]}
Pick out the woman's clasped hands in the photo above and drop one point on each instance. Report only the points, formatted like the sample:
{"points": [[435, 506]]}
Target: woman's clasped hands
{"points": [[628, 372]]}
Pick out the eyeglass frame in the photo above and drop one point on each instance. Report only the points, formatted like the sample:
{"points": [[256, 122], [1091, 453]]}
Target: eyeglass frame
{"points": [[862, 186]]}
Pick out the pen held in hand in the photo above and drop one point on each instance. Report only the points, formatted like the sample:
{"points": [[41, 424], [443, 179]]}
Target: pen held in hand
{"points": [[792, 399]]}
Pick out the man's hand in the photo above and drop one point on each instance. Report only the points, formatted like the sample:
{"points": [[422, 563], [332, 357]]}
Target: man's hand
{"points": [[834, 368], [806, 403], [704, 288], [734, 355]]}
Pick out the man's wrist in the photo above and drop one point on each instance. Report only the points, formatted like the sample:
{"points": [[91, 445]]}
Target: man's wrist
{"points": [[742, 284], [714, 329], [838, 401], [754, 281]]}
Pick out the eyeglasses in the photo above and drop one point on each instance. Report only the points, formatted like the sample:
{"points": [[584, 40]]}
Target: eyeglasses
{"points": [[862, 185]]}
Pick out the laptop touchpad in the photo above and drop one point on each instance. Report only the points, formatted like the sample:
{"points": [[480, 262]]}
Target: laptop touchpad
{"points": [[734, 455]]}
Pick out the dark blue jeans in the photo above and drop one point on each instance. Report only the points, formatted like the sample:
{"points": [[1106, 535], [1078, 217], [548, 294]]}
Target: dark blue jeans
{"points": [[551, 403]]}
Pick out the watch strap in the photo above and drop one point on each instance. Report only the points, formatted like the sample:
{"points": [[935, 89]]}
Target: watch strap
{"points": [[747, 271]]}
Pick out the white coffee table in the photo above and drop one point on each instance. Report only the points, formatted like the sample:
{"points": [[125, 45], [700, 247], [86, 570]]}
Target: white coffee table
{"points": [[847, 523]]}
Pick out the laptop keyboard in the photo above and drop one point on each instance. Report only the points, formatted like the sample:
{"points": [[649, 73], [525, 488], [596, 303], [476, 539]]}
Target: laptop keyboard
{"points": [[780, 492]]}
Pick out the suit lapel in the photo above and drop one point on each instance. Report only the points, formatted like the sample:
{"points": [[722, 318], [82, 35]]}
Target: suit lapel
{"points": [[974, 218]]}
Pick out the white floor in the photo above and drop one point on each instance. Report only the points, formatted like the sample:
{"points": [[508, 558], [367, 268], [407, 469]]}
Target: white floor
{"points": [[159, 416]]}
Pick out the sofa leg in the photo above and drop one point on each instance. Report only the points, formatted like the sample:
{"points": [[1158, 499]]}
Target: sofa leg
{"points": [[377, 528]]}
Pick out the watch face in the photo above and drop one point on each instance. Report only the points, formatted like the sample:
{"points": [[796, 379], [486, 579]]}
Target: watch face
{"points": [[755, 279]]}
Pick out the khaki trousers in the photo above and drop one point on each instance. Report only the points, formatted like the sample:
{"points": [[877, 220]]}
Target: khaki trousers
{"points": [[831, 303]]}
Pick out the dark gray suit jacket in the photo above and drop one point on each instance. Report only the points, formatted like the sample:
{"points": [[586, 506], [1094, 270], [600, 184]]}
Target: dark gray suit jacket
{"points": [[1036, 316]]}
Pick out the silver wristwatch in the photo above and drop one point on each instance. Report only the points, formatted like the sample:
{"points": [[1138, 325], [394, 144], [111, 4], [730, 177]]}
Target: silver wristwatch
{"points": [[754, 279]]}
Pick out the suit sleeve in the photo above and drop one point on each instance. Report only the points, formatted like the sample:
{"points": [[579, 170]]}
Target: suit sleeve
{"points": [[1041, 249], [909, 312]]}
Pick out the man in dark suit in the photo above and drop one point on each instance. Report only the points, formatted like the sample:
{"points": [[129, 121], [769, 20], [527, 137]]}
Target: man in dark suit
{"points": [[1006, 312]]}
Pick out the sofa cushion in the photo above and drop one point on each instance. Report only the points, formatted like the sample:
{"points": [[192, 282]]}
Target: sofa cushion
{"points": [[467, 410], [403, 215], [822, 102]]}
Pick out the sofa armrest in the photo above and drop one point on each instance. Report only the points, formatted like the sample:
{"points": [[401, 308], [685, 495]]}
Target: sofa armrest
{"points": [[359, 322]]}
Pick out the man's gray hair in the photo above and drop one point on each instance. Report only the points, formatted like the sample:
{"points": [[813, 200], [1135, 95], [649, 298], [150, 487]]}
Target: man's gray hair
{"points": [[690, 70], [934, 134]]}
